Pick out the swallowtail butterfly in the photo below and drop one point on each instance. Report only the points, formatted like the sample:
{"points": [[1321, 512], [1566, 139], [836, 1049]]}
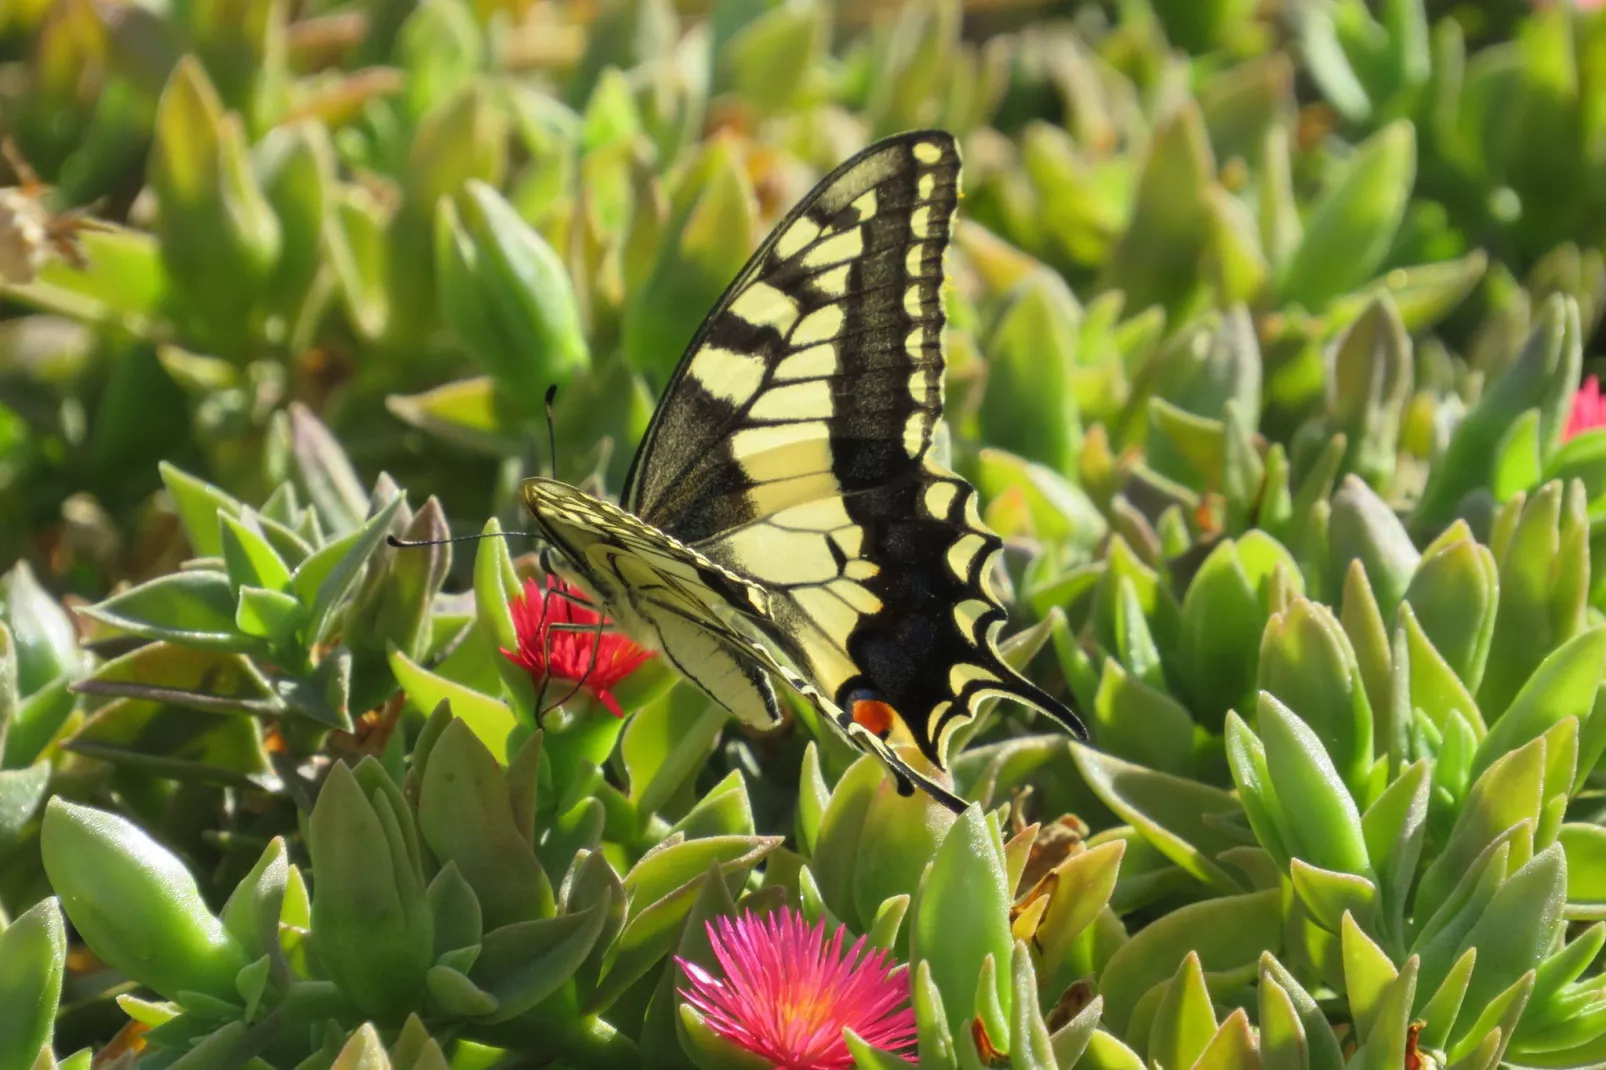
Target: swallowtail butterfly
{"points": [[783, 516]]}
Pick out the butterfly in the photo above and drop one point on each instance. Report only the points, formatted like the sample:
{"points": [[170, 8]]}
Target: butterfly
{"points": [[783, 516]]}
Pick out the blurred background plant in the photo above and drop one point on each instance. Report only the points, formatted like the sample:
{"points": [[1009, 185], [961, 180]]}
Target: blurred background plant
{"points": [[1267, 320]]}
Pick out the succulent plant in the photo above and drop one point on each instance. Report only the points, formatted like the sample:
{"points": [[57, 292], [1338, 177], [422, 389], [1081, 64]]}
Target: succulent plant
{"points": [[1267, 326]]}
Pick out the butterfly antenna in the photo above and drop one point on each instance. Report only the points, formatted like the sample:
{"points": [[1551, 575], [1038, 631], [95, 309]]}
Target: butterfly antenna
{"points": [[408, 544], [551, 429], [546, 653]]}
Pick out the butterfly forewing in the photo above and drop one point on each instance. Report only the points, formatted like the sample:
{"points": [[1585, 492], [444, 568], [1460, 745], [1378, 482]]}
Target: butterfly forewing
{"points": [[820, 371], [792, 447]]}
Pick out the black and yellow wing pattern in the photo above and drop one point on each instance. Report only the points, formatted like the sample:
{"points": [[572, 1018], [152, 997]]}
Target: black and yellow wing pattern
{"points": [[786, 487]]}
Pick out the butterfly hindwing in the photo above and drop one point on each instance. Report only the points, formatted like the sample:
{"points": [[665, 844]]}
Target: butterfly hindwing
{"points": [[662, 593]]}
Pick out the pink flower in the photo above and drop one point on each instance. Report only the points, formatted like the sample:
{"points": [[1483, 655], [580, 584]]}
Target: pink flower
{"points": [[559, 640], [1589, 410], [788, 992]]}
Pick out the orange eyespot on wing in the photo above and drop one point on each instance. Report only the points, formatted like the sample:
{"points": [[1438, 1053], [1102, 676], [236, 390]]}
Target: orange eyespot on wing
{"points": [[875, 716]]}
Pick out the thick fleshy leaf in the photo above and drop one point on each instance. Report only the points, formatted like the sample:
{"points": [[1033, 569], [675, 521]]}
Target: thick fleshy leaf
{"points": [[1541, 545], [1454, 593], [1317, 807], [1320, 1046], [1543, 375], [199, 505], [662, 888], [135, 904], [1223, 615], [1350, 228], [1510, 791], [1585, 847], [1362, 619], [169, 740], [836, 847], [1156, 261], [465, 815], [1226, 933], [194, 608], [1306, 661], [1027, 407], [1233, 1047], [1171, 812], [1081, 889], [1136, 721], [330, 576], [1184, 1022], [1516, 930], [33, 961], [1563, 686], [1394, 827], [1059, 509], [902, 834], [667, 744], [490, 718], [503, 291], [1385, 1040], [935, 1044], [1434, 687], [709, 234], [1282, 1035], [1363, 528], [1368, 975], [1029, 1040], [1330, 896], [961, 916], [184, 675], [523, 963], [1443, 1006]]}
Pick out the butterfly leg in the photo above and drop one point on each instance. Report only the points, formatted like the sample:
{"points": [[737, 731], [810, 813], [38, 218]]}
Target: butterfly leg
{"points": [[575, 599], [546, 655], [591, 665]]}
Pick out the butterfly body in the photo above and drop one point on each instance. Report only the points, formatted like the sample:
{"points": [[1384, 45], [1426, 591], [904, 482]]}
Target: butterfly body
{"points": [[784, 515]]}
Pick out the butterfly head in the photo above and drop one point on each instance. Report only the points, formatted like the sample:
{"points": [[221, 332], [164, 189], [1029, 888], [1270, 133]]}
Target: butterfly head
{"points": [[562, 510]]}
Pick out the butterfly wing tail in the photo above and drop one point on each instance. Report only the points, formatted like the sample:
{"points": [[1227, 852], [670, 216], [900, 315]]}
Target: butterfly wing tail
{"points": [[908, 776], [1030, 695]]}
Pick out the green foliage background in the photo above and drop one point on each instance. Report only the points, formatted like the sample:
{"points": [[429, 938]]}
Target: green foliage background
{"points": [[1266, 323]]}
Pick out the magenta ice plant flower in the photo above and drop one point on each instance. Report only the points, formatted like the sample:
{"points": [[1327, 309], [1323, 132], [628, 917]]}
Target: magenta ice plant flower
{"points": [[788, 991], [1588, 411]]}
